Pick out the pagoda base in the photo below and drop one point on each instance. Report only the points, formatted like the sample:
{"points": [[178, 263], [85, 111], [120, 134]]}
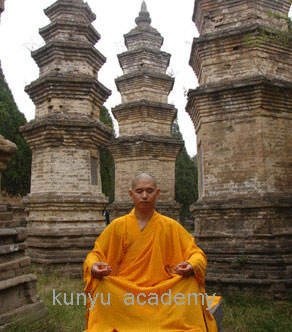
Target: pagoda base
{"points": [[248, 244], [18, 285], [62, 230], [118, 209]]}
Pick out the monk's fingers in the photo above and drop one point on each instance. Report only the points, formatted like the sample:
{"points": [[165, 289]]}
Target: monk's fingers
{"points": [[99, 274], [183, 265], [102, 265], [100, 269], [183, 269], [104, 272], [188, 271], [178, 270], [107, 270]]}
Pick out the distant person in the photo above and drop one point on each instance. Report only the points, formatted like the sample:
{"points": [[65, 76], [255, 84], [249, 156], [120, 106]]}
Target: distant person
{"points": [[106, 215], [145, 273]]}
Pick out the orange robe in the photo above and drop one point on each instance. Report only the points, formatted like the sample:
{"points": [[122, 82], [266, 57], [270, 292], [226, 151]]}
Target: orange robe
{"points": [[142, 294]]}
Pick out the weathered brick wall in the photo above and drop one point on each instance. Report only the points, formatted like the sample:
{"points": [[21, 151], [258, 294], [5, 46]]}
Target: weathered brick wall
{"points": [[136, 39], [67, 95], [144, 59], [69, 11], [239, 54], [146, 85], [67, 172], [211, 16], [254, 112], [144, 117], [247, 246], [162, 170], [62, 65]]}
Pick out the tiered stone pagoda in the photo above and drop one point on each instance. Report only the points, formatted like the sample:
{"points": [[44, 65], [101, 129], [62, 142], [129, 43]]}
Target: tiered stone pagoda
{"points": [[145, 143], [242, 114], [66, 201], [18, 291]]}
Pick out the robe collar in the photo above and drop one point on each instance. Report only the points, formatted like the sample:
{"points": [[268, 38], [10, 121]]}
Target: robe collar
{"points": [[153, 217]]}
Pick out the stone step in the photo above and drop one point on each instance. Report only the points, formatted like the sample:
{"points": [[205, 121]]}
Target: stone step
{"points": [[64, 232], [6, 216], [28, 313], [59, 259], [55, 244], [10, 248], [3, 207], [17, 281], [9, 223], [18, 233], [14, 268], [15, 264], [7, 232]]}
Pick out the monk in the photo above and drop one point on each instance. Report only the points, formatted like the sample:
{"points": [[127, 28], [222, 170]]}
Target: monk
{"points": [[145, 273]]}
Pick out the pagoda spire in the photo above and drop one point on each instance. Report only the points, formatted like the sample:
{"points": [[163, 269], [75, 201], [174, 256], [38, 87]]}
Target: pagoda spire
{"points": [[143, 6], [144, 16]]}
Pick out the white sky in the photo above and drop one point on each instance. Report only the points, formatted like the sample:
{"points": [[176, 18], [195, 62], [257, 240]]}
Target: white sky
{"points": [[173, 19]]}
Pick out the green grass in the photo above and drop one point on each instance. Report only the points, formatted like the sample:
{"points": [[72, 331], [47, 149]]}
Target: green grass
{"points": [[242, 313], [248, 313]]}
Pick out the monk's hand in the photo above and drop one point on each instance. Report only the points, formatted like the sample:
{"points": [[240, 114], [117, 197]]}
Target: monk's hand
{"points": [[184, 269], [100, 270]]}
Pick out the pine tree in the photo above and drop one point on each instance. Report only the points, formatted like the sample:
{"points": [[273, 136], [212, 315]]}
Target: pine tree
{"points": [[16, 177], [107, 165], [186, 177]]}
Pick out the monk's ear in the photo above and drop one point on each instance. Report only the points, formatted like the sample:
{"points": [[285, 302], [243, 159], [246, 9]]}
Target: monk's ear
{"points": [[130, 193], [157, 192]]}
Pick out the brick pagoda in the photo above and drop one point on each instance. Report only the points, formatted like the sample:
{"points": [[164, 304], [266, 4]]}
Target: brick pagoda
{"points": [[66, 202], [242, 112], [145, 143]]}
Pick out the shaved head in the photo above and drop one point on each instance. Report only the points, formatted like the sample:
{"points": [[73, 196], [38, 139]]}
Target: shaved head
{"points": [[143, 176]]}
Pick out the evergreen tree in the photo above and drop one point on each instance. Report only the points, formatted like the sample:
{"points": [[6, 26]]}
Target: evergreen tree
{"points": [[107, 165], [16, 177], [186, 177]]}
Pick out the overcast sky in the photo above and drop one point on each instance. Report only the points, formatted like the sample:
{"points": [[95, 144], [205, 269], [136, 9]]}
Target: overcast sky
{"points": [[173, 19]]}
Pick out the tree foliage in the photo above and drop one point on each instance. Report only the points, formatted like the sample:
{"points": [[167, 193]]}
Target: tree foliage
{"points": [[186, 177], [107, 165], [16, 177]]}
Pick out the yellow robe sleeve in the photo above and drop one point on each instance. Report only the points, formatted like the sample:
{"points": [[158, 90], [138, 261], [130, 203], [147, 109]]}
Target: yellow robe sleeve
{"points": [[193, 255], [109, 248]]}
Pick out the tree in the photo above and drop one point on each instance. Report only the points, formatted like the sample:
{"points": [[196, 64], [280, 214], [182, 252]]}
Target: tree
{"points": [[107, 165], [16, 177], [186, 177]]}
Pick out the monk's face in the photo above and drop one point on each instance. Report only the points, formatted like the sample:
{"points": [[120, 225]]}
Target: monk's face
{"points": [[144, 194]]}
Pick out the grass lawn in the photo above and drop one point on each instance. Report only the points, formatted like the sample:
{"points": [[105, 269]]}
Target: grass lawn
{"points": [[241, 313]]}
